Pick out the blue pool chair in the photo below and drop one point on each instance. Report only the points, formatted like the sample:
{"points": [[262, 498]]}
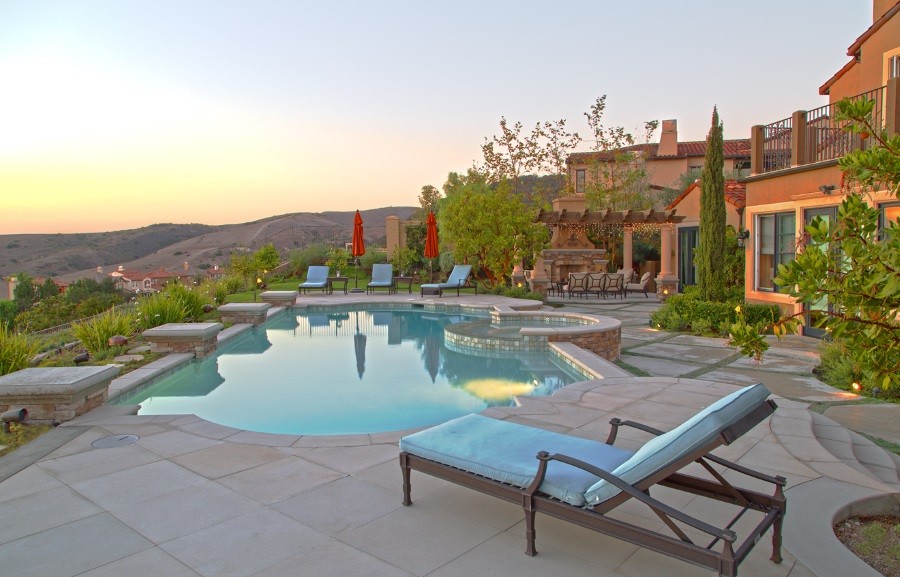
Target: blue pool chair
{"points": [[382, 277], [316, 277], [459, 278], [580, 480]]}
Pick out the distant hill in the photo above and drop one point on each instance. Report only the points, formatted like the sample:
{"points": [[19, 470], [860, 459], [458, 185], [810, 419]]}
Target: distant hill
{"points": [[72, 256]]}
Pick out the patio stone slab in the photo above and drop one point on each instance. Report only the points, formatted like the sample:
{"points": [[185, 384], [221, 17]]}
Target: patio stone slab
{"points": [[97, 462], [244, 545], [334, 507], [185, 511], [147, 563], [71, 549], [440, 537], [137, 484], [333, 558], [655, 366], [494, 554], [353, 459], [668, 350], [279, 480], [776, 364], [36, 512], [225, 459], [174, 442], [882, 421]]}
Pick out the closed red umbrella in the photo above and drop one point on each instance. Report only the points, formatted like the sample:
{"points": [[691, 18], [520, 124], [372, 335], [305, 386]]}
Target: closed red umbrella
{"points": [[358, 246], [431, 239]]}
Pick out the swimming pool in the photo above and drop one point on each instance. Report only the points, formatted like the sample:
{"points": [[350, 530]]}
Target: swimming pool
{"points": [[348, 372]]}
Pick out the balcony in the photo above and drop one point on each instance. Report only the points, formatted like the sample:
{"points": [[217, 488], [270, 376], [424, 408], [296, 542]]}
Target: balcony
{"points": [[811, 136]]}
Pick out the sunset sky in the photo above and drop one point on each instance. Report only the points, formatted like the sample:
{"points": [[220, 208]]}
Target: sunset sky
{"points": [[116, 115]]}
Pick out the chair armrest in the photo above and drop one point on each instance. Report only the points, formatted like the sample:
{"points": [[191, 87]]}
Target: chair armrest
{"points": [[658, 506], [616, 423]]}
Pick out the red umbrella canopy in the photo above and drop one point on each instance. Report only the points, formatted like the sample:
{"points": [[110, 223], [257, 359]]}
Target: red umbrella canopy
{"points": [[358, 247], [431, 237]]}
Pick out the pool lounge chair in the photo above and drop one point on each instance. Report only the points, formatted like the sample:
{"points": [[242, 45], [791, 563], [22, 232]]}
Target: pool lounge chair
{"points": [[459, 279], [382, 277], [580, 480], [316, 277], [641, 286]]}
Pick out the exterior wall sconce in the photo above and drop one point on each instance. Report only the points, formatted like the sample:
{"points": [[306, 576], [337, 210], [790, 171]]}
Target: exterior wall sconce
{"points": [[827, 188], [742, 237]]}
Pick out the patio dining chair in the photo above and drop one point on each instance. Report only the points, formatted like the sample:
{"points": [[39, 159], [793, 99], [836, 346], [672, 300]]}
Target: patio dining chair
{"points": [[614, 285], [597, 282], [577, 284], [640, 286], [581, 480]]}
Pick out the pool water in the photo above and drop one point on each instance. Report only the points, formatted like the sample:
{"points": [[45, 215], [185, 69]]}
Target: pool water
{"points": [[348, 372]]}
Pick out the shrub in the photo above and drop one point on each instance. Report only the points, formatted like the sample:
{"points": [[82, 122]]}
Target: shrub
{"points": [[50, 312], [94, 333], [16, 351], [157, 309], [214, 291], [686, 312], [192, 301], [372, 257], [8, 310], [233, 284], [446, 262], [97, 303]]}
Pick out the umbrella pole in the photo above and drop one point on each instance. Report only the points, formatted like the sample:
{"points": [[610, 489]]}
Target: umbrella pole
{"points": [[356, 288]]}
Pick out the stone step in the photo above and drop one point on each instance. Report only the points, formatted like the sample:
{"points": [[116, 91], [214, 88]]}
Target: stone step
{"points": [[856, 451]]}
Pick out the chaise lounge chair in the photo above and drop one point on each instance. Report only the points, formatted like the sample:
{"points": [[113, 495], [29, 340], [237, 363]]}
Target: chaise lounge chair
{"points": [[459, 278], [580, 480], [382, 277], [316, 277]]}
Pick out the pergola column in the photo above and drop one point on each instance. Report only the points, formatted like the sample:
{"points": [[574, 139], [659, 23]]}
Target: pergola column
{"points": [[667, 281], [627, 254]]}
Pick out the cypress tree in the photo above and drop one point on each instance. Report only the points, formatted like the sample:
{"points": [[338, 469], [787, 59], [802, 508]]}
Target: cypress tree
{"points": [[710, 252]]}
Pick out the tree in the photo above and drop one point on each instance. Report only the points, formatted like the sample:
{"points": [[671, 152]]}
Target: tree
{"points": [[709, 255], [429, 200], [514, 157], [618, 176], [47, 289], [490, 226], [850, 262], [25, 294], [266, 258]]}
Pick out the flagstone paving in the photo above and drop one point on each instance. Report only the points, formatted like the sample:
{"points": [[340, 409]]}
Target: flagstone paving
{"points": [[195, 498]]}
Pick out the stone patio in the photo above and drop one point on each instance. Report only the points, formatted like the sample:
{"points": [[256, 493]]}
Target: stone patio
{"points": [[192, 497]]}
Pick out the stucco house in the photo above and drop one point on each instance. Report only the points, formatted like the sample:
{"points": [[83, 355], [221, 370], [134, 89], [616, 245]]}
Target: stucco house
{"points": [[687, 232], [665, 161], [794, 172]]}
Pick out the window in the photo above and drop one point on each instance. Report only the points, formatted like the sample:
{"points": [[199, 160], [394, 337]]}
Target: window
{"points": [[893, 70], [775, 245], [579, 181], [888, 212]]}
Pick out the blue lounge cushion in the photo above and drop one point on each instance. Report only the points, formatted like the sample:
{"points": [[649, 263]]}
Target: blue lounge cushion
{"points": [[506, 452], [687, 438], [316, 277], [459, 276], [382, 275]]}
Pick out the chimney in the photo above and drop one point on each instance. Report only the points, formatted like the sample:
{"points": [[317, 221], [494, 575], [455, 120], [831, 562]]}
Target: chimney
{"points": [[668, 141], [880, 8]]}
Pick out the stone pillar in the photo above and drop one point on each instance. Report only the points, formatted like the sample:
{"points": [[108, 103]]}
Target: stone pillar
{"points": [[756, 149], [667, 281], [627, 253], [798, 138], [891, 108], [392, 232], [518, 275]]}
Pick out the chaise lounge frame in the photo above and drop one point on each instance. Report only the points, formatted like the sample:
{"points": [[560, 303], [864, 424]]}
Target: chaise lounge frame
{"points": [[726, 560]]}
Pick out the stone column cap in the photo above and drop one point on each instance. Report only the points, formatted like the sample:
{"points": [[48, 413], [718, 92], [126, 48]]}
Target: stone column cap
{"points": [[244, 307], [56, 380], [183, 331]]}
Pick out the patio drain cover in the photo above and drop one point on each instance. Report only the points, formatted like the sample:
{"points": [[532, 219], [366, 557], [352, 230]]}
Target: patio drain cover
{"points": [[114, 441]]}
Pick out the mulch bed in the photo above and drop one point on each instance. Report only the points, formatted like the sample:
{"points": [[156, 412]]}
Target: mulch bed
{"points": [[875, 540]]}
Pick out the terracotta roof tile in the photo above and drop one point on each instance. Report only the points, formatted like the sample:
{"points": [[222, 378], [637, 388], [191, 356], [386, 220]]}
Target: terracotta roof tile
{"points": [[735, 194], [738, 148]]}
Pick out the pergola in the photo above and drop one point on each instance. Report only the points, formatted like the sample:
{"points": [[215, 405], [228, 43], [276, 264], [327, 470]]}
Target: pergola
{"points": [[571, 222]]}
